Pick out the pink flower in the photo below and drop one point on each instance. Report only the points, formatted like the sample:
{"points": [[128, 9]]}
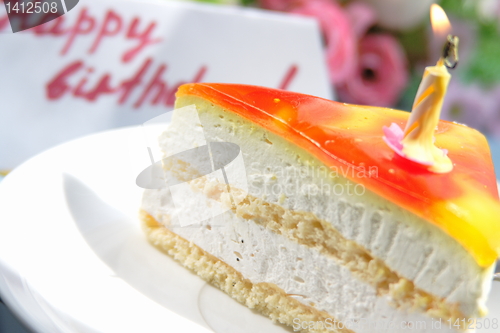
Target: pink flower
{"points": [[339, 36], [366, 69], [381, 73], [362, 17]]}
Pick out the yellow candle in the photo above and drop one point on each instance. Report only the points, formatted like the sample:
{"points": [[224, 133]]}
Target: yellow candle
{"points": [[418, 140]]}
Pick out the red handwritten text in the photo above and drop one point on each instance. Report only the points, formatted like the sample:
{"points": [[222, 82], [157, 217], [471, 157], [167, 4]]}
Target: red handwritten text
{"points": [[147, 86], [154, 89], [110, 24]]}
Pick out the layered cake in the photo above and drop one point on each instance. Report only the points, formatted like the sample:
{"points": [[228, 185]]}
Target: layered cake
{"points": [[295, 206]]}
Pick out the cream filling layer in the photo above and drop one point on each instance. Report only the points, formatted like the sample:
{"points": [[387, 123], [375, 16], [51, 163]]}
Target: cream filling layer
{"points": [[282, 174], [305, 273]]}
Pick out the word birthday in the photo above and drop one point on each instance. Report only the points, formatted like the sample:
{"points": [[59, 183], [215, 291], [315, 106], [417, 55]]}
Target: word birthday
{"points": [[89, 31], [155, 88]]}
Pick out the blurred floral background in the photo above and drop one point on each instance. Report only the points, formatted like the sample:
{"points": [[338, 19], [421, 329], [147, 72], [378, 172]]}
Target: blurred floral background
{"points": [[376, 51]]}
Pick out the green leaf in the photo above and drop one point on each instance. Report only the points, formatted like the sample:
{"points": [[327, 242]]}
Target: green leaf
{"points": [[459, 9], [249, 3]]}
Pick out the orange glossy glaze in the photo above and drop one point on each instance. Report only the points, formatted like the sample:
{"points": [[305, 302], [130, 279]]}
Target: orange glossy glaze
{"points": [[348, 138]]}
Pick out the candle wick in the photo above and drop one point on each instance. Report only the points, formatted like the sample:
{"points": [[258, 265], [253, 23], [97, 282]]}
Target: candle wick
{"points": [[450, 52]]}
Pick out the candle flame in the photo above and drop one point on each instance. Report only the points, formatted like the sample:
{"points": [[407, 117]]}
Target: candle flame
{"points": [[440, 23]]}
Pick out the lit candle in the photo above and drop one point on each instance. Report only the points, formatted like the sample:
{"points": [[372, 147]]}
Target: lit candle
{"points": [[416, 143]]}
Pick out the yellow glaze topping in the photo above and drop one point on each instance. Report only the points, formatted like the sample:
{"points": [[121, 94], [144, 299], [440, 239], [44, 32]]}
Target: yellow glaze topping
{"points": [[463, 202]]}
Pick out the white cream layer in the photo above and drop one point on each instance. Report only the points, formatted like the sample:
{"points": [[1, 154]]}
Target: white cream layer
{"points": [[313, 278]]}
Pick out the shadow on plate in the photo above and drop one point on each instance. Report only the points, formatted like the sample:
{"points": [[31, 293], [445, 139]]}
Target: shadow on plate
{"points": [[118, 241]]}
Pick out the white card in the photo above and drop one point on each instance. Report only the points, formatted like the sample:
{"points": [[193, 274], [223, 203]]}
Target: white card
{"points": [[109, 63]]}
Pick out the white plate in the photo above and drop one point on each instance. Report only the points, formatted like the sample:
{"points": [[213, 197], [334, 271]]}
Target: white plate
{"points": [[73, 258]]}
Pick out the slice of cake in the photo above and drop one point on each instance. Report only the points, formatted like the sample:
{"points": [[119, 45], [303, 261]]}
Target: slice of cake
{"points": [[296, 207]]}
